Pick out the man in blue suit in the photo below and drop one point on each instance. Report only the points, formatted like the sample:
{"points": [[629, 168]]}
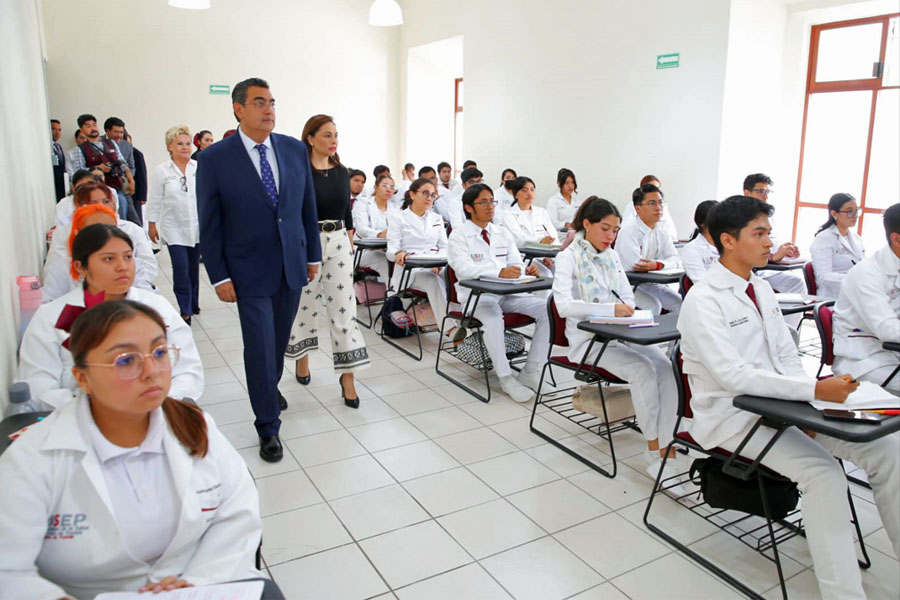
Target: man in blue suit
{"points": [[259, 236]]}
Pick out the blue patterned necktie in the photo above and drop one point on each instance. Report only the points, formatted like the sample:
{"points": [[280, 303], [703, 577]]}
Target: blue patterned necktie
{"points": [[268, 178]]}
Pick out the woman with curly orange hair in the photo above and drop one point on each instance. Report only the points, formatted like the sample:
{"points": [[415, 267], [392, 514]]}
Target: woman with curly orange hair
{"points": [[84, 216]]}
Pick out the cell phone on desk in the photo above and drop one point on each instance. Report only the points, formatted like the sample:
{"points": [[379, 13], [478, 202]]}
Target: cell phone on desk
{"points": [[853, 416]]}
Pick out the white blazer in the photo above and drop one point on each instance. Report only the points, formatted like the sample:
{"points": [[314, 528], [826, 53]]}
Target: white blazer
{"points": [[666, 221], [867, 313], [172, 209], [58, 530], [567, 295], [529, 225], [415, 235], [47, 366], [636, 241], [832, 256], [368, 219], [57, 280], [731, 348], [561, 211], [470, 257], [698, 256]]}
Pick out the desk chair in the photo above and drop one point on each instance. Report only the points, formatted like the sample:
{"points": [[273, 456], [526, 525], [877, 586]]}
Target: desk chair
{"points": [[510, 321], [367, 275], [809, 277], [772, 533], [684, 284], [415, 297], [823, 315]]}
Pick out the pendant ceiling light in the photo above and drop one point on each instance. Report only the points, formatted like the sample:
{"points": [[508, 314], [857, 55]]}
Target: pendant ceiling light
{"points": [[385, 13], [190, 4]]}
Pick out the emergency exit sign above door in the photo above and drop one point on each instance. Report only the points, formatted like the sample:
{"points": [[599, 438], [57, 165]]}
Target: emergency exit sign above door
{"points": [[219, 89], [668, 61]]}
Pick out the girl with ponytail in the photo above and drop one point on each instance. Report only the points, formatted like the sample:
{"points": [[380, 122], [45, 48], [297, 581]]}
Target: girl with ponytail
{"points": [[836, 247]]}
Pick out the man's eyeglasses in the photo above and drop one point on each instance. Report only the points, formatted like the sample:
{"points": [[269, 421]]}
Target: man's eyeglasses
{"points": [[764, 191], [261, 104], [653, 203], [184, 187], [129, 365], [486, 203]]}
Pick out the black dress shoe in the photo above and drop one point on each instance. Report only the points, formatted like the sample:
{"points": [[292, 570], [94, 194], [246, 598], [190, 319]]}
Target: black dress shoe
{"points": [[196, 310], [351, 402], [270, 449], [302, 379], [187, 320], [282, 402]]}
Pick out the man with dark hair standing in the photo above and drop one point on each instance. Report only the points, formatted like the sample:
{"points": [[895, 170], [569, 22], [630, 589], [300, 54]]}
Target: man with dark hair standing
{"points": [[259, 236], [115, 131], [59, 160]]}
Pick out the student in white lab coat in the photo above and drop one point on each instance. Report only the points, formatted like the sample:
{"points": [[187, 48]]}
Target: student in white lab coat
{"points": [[665, 221], [124, 489], [417, 231], [102, 256], [65, 208], [357, 183], [55, 276], [563, 204], [171, 213], [590, 281], [445, 179], [378, 171], [735, 341], [502, 194], [700, 253], [481, 247], [470, 176], [867, 312], [645, 246], [529, 223], [836, 247], [370, 218], [406, 178]]}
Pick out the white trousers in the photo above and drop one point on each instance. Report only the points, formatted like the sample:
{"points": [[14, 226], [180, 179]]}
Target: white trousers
{"points": [[490, 311], [876, 376], [434, 287], [656, 296], [653, 391], [826, 512], [376, 260]]}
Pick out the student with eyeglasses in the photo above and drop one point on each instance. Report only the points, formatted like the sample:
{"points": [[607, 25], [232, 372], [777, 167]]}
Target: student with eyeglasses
{"points": [[370, 217], [172, 216], [125, 488], [103, 257], [666, 219], [644, 245], [836, 246]]}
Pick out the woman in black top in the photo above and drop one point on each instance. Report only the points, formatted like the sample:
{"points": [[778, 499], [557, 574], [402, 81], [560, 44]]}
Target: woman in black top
{"points": [[202, 140], [334, 281]]}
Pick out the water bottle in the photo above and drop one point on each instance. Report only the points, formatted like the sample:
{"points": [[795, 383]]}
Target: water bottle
{"points": [[30, 296], [20, 400]]}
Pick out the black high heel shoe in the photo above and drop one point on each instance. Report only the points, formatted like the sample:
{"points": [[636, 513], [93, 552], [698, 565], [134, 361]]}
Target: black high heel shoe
{"points": [[304, 380], [351, 402]]}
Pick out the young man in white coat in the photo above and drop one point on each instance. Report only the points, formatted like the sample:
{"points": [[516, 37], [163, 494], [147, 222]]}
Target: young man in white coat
{"points": [[471, 176], [482, 248], [867, 312], [735, 341]]}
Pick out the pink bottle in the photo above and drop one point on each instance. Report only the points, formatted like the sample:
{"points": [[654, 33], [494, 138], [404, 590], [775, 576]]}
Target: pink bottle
{"points": [[30, 296]]}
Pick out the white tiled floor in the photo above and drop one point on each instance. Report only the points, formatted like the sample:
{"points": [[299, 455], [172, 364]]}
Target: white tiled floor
{"points": [[426, 493]]}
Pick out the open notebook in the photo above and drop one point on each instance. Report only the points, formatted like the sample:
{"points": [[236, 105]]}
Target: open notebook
{"points": [[868, 396], [640, 317]]}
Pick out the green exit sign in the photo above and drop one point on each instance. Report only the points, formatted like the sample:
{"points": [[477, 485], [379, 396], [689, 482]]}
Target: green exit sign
{"points": [[219, 89], [668, 61]]}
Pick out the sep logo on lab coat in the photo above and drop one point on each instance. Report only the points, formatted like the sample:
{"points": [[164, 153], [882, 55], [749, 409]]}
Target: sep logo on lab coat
{"points": [[65, 526]]}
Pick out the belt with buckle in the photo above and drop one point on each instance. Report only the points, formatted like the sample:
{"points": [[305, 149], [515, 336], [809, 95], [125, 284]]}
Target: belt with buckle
{"points": [[329, 226]]}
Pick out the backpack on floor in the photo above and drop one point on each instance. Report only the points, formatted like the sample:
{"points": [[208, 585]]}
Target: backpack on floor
{"points": [[395, 323]]}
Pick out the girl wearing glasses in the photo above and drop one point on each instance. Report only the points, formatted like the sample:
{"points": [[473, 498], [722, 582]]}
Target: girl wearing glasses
{"points": [[370, 216], [417, 231], [172, 214], [836, 247], [102, 256], [124, 489]]}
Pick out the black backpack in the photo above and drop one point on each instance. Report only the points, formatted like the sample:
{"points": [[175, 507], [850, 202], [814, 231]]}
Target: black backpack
{"points": [[388, 327]]}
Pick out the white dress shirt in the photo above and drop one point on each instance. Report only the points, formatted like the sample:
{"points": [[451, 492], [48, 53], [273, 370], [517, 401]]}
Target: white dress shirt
{"points": [[529, 225], [636, 241], [250, 145], [666, 221], [832, 256], [698, 256], [368, 219], [172, 209], [561, 210]]}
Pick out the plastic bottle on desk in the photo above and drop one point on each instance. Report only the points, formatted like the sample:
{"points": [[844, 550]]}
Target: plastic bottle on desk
{"points": [[20, 400], [30, 296]]}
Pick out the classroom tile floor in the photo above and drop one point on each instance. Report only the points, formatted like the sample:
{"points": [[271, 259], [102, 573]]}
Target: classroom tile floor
{"points": [[426, 493]]}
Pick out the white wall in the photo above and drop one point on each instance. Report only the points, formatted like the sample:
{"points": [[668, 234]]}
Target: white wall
{"points": [[27, 198], [152, 64]]}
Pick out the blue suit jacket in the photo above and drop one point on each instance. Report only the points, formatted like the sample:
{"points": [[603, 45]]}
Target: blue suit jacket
{"points": [[242, 236]]}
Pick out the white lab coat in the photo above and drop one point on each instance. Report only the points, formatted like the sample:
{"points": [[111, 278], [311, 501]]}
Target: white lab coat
{"points": [[47, 366], [455, 211], [65, 208], [172, 209], [698, 256], [57, 280], [415, 235], [666, 221], [470, 257], [561, 211], [636, 241], [504, 202], [368, 219], [529, 225], [58, 531], [832, 256], [867, 313]]}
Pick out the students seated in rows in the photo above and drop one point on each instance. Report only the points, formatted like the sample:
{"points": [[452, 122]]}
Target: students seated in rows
{"points": [[563, 204], [590, 281], [665, 221], [55, 277], [65, 208], [645, 246], [103, 257], [417, 231], [735, 341], [867, 312], [479, 248], [470, 176], [124, 489], [700, 253], [527, 222], [836, 247], [370, 218]]}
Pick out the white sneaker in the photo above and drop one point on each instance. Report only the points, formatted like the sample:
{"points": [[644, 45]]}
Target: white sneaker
{"points": [[530, 379], [671, 471], [515, 390]]}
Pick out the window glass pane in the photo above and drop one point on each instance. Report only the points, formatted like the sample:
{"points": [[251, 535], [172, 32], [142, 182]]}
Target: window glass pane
{"points": [[883, 188], [848, 53], [808, 222], [892, 55], [872, 233], [834, 152]]}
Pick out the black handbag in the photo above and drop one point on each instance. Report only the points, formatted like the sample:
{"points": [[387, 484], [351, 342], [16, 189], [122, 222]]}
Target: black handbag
{"points": [[721, 490]]}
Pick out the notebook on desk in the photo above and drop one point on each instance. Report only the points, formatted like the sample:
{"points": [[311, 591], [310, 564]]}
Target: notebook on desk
{"points": [[640, 317], [868, 396], [241, 590], [495, 279]]}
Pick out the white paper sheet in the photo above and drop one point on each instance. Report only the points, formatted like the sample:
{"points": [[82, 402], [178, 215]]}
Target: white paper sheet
{"points": [[244, 590], [867, 396]]}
